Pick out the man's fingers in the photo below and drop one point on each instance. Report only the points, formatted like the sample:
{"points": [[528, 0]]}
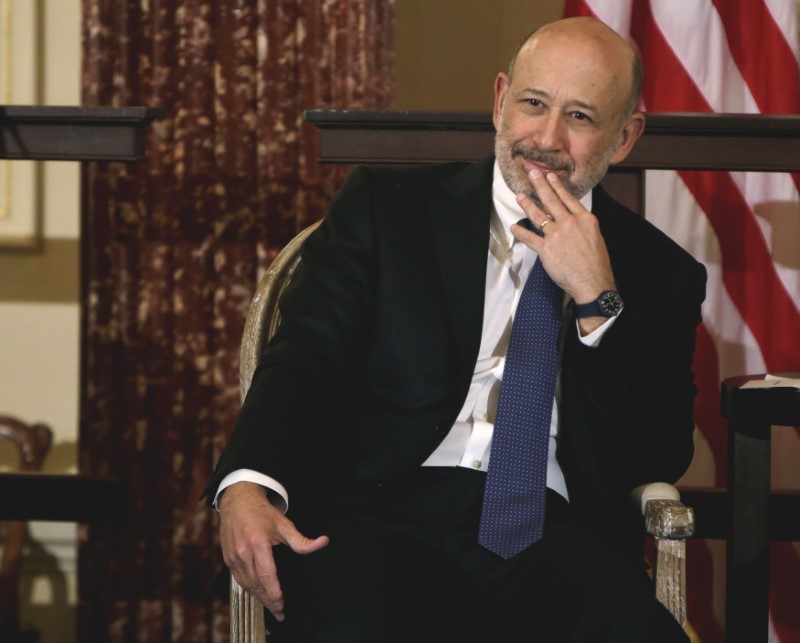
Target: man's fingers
{"points": [[302, 545], [254, 569], [268, 587], [262, 580], [535, 215], [571, 204], [556, 199], [547, 204]]}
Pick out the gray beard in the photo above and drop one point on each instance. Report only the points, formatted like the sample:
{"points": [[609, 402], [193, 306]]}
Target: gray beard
{"points": [[506, 155]]}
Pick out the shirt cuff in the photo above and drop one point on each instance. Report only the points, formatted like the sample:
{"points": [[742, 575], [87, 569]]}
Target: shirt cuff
{"points": [[275, 490], [593, 338]]}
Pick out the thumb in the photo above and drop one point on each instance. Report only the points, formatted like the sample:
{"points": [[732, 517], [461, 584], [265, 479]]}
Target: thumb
{"points": [[300, 544]]}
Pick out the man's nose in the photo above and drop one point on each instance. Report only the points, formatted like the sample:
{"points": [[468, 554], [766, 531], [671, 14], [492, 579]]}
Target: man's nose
{"points": [[550, 133]]}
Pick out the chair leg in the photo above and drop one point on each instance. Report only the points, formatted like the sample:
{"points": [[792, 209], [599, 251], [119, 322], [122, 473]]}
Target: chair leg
{"points": [[10, 565], [670, 568]]}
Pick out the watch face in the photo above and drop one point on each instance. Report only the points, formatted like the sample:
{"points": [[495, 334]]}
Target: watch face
{"points": [[610, 303]]}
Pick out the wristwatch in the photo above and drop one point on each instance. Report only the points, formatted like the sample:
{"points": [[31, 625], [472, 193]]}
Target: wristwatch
{"points": [[608, 304]]}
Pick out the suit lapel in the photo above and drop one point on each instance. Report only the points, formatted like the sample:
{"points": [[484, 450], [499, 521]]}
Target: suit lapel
{"points": [[460, 223]]}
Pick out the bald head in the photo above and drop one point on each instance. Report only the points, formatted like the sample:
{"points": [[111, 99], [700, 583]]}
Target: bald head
{"points": [[593, 39]]}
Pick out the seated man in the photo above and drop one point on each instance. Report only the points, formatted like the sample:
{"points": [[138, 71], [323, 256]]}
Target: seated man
{"points": [[351, 491]]}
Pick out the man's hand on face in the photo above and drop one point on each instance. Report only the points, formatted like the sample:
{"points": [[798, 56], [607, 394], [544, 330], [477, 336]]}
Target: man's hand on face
{"points": [[250, 526], [572, 249]]}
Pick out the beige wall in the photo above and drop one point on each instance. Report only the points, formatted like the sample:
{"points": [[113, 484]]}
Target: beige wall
{"points": [[39, 286], [39, 305], [449, 51]]}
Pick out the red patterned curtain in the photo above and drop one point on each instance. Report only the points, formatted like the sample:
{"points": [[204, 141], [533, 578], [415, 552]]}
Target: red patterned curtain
{"points": [[171, 250]]}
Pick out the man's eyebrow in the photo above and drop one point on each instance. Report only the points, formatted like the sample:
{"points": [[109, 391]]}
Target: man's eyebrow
{"points": [[536, 92], [575, 102]]}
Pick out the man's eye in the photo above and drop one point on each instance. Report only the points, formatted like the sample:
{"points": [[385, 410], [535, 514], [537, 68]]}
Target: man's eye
{"points": [[580, 116], [534, 102]]}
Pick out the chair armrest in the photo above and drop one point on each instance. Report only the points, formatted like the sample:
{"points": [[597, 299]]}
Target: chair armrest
{"points": [[670, 522], [664, 513]]}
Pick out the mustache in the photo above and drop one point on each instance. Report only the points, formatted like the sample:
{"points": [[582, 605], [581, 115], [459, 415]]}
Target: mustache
{"points": [[547, 159]]}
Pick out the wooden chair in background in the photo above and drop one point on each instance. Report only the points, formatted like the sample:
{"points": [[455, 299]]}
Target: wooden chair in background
{"points": [[666, 518], [33, 442]]}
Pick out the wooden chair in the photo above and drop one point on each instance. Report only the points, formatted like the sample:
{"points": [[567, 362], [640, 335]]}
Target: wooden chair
{"points": [[33, 442], [247, 613], [666, 518]]}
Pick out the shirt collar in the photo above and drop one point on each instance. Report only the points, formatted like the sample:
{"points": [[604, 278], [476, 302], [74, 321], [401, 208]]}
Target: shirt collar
{"points": [[506, 207]]}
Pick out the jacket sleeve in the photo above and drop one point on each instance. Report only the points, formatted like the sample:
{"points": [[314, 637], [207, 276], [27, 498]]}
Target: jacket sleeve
{"points": [[287, 426], [636, 389]]}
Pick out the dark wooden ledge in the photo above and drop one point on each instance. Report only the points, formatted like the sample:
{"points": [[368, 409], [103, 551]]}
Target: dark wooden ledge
{"points": [[686, 141], [75, 133]]}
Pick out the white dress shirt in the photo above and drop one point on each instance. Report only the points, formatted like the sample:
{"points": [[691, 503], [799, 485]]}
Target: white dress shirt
{"points": [[468, 443]]}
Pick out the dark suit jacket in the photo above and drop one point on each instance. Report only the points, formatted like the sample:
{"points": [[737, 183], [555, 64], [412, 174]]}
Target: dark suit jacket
{"points": [[380, 331]]}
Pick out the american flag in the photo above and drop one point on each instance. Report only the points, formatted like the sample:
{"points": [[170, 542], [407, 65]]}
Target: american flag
{"points": [[734, 56]]}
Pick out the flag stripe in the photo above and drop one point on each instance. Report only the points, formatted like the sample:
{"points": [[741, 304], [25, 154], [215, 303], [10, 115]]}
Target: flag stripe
{"points": [[747, 269], [784, 575], [707, 415], [707, 60], [751, 27], [784, 13], [672, 96], [579, 8]]}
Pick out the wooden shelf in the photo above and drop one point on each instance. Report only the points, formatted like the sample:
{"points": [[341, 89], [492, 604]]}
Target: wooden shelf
{"points": [[740, 142], [74, 133]]}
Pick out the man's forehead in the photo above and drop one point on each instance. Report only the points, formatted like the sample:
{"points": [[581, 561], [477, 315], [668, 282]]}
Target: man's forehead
{"points": [[572, 75]]}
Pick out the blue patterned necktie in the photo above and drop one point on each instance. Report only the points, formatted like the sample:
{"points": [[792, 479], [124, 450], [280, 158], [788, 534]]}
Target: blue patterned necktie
{"points": [[512, 518]]}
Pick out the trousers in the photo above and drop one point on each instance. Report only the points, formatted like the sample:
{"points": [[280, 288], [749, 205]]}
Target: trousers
{"points": [[404, 564]]}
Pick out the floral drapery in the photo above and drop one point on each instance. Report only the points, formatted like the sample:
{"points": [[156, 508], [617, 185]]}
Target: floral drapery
{"points": [[171, 251]]}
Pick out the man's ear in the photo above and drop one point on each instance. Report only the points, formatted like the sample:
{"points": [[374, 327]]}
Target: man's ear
{"points": [[630, 134], [500, 88]]}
